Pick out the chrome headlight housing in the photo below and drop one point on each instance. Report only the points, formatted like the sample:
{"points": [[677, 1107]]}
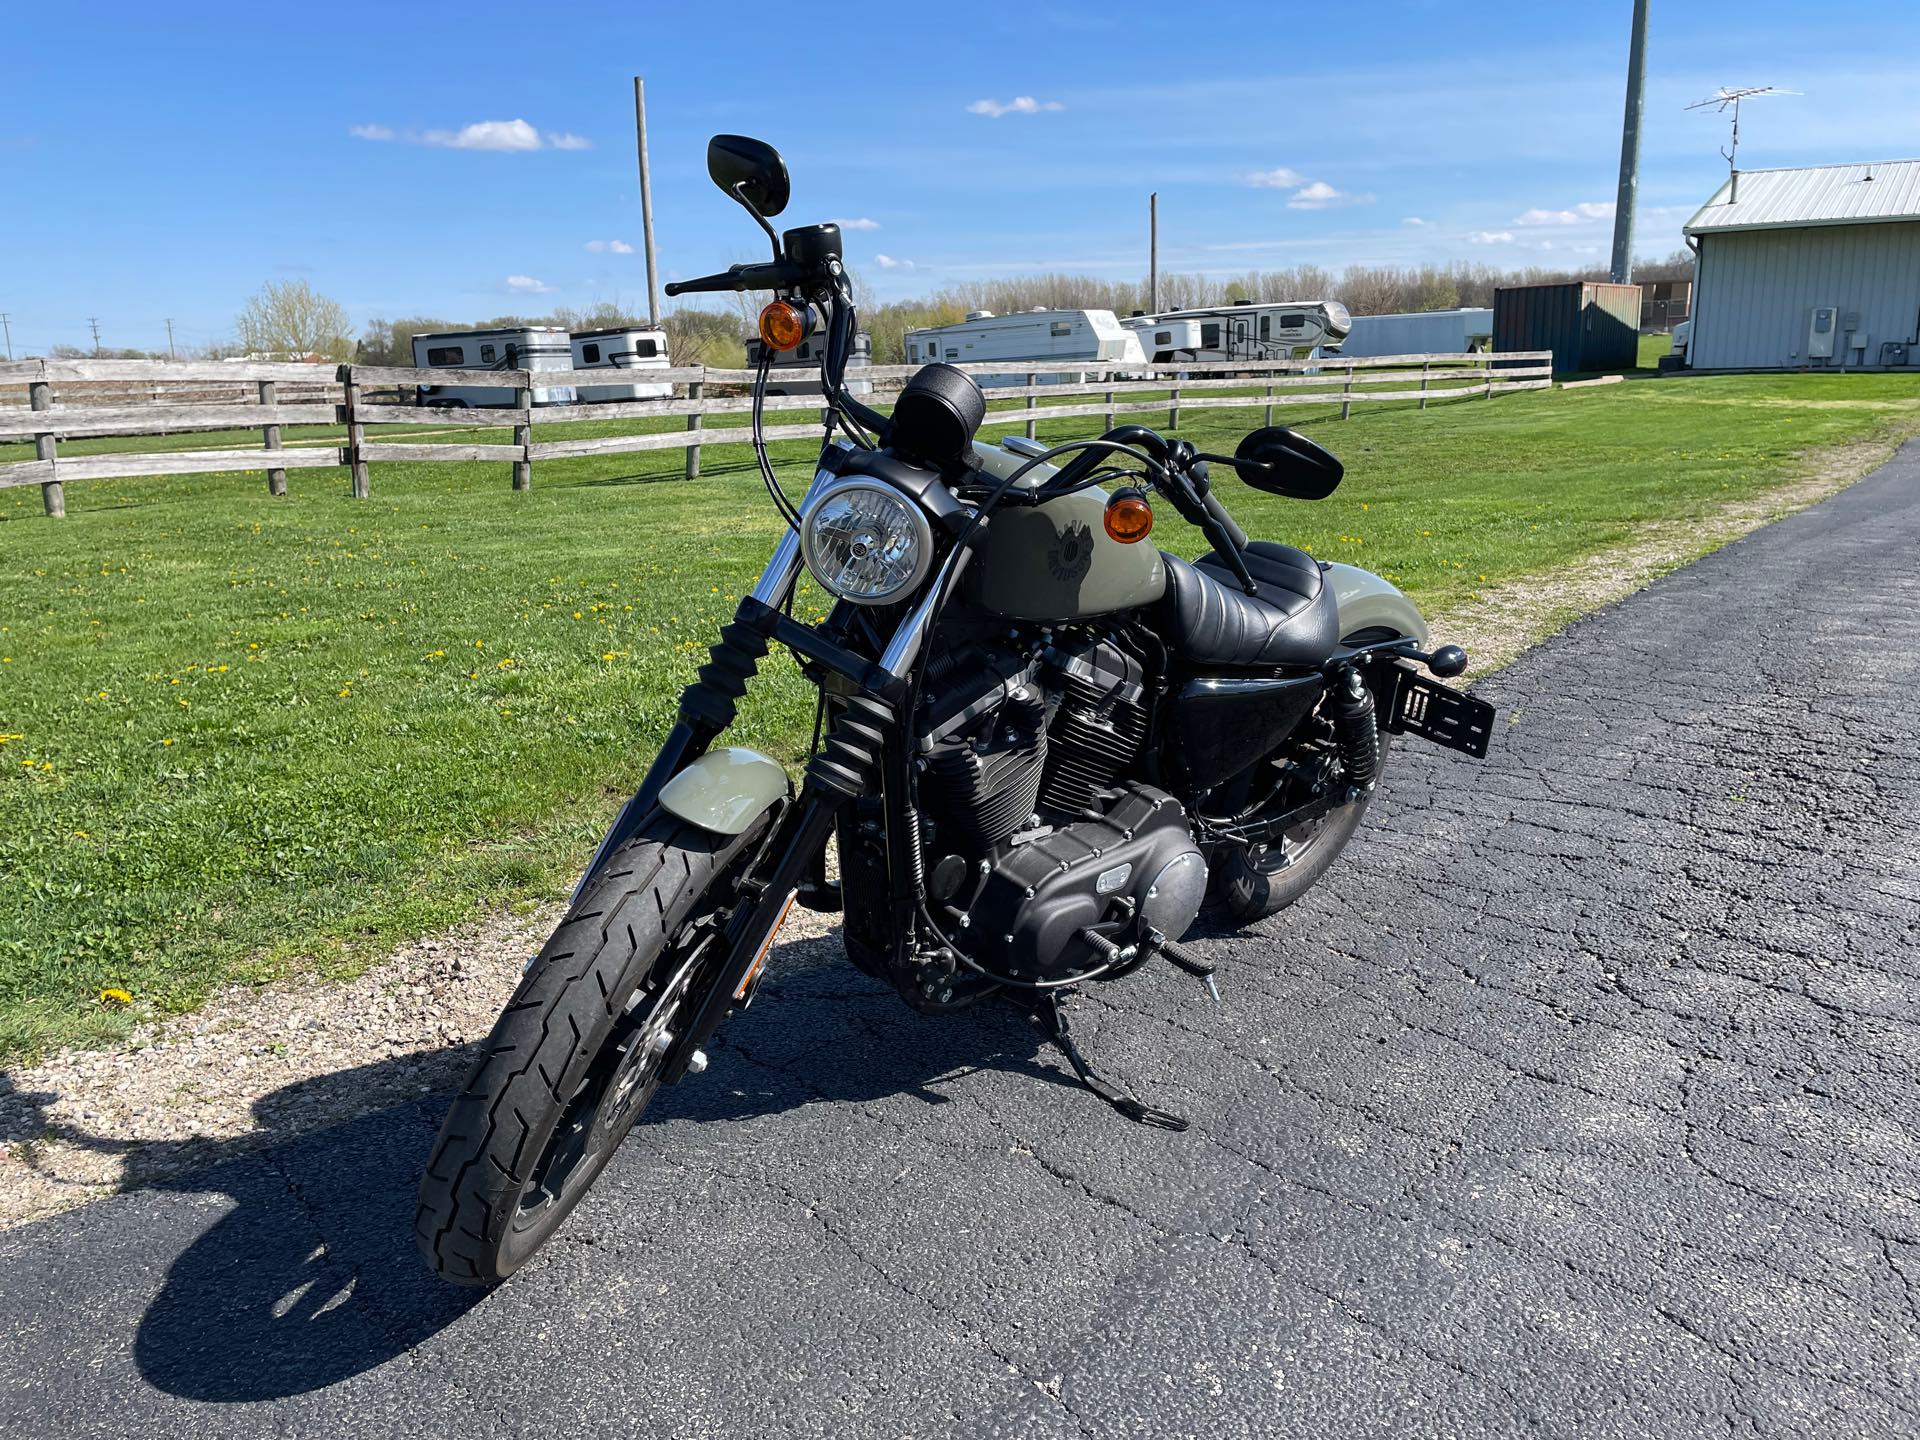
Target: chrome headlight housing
{"points": [[866, 542]]}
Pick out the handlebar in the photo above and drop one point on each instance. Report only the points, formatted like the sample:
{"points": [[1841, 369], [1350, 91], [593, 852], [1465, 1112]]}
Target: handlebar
{"points": [[766, 275]]}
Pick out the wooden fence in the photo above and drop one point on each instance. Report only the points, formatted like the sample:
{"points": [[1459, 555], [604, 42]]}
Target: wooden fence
{"points": [[73, 399]]}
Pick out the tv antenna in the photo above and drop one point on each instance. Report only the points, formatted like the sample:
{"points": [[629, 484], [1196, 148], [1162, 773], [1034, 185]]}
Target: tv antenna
{"points": [[1729, 98]]}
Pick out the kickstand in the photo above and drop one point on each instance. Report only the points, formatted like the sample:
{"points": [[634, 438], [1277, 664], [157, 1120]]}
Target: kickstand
{"points": [[1119, 1100]]}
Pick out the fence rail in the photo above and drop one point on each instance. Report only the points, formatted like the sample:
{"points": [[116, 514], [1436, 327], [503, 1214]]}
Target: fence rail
{"points": [[76, 399]]}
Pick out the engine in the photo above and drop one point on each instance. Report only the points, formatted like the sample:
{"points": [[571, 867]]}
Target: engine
{"points": [[1047, 855]]}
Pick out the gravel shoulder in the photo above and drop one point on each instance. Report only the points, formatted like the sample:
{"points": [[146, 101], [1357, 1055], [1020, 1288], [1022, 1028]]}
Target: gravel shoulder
{"points": [[296, 1058]]}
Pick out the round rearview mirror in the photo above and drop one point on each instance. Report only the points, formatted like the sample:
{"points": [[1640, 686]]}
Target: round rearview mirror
{"points": [[749, 170], [1282, 462]]}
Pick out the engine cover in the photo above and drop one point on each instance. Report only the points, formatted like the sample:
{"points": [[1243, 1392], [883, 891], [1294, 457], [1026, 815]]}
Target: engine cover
{"points": [[1137, 864]]}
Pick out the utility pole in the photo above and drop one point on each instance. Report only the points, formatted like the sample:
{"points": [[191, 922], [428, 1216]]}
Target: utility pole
{"points": [[1153, 253], [1629, 190], [646, 195], [96, 336], [170, 354], [6, 324]]}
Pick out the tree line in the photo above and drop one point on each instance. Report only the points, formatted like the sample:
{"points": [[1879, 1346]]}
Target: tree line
{"points": [[290, 320]]}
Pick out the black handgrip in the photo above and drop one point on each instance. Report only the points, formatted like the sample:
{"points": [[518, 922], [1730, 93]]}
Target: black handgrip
{"points": [[1228, 525]]}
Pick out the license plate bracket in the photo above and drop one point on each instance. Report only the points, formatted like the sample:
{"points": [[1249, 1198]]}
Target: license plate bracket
{"points": [[1449, 718]]}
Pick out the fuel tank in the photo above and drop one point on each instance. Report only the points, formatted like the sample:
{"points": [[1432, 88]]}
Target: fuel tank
{"points": [[1057, 562]]}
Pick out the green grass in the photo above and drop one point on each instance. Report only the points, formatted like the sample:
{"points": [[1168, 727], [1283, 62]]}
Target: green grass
{"points": [[244, 736]]}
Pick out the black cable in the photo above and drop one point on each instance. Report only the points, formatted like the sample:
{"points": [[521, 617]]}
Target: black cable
{"points": [[772, 482]]}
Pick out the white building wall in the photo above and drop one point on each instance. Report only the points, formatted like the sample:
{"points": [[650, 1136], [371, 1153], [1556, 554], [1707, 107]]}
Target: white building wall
{"points": [[1755, 291]]}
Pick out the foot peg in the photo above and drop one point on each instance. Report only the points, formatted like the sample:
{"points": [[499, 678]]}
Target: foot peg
{"points": [[1182, 958]]}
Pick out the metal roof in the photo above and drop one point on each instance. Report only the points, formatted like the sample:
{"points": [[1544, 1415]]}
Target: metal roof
{"points": [[1813, 195]]}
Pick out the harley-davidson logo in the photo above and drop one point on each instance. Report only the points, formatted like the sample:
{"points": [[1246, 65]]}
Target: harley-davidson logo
{"points": [[1070, 556]]}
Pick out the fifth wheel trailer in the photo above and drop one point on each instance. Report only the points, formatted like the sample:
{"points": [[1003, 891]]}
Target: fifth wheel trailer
{"points": [[1248, 330], [525, 347], [1092, 336]]}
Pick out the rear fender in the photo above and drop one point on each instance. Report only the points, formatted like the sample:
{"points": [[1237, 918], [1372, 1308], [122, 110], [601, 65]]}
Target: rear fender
{"points": [[1369, 603]]}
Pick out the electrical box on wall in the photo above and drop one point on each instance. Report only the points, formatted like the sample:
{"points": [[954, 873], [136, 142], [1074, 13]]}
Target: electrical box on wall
{"points": [[1820, 329]]}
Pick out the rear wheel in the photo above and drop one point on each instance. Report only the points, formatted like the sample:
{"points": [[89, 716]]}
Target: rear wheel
{"points": [[1253, 882], [575, 1057]]}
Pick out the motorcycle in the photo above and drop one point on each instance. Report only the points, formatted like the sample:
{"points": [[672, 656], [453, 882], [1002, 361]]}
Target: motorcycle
{"points": [[1042, 746]]}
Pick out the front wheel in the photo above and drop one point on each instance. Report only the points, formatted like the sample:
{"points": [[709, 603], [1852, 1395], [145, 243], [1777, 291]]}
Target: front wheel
{"points": [[575, 1057]]}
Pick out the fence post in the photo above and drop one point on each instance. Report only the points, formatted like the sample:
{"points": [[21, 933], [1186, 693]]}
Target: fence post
{"points": [[1346, 406], [1173, 407], [1109, 409], [276, 479], [40, 397], [695, 390], [1032, 380], [1425, 366], [1269, 419], [523, 437], [356, 433]]}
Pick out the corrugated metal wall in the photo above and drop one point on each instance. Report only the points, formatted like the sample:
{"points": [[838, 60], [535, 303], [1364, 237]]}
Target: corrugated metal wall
{"points": [[1756, 289], [1588, 326]]}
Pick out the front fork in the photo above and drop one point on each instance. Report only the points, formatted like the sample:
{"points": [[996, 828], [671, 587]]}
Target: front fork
{"points": [[849, 762]]}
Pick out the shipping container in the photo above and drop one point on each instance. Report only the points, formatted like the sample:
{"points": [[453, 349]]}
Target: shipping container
{"points": [[1587, 324]]}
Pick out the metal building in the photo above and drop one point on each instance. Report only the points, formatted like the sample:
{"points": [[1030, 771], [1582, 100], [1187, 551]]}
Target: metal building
{"points": [[1589, 325], [1814, 268]]}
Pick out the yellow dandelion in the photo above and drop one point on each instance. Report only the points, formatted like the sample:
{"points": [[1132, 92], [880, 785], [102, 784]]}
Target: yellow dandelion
{"points": [[104, 694], [114, 995], [167, 741], [81, 835], [345, 691], [506, 664]]}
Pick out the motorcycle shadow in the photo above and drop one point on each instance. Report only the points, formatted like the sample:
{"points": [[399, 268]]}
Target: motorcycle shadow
{"points": [[312, 1278]]}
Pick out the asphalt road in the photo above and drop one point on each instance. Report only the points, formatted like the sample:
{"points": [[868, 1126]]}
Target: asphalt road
{"points": [[1580, 1100]]}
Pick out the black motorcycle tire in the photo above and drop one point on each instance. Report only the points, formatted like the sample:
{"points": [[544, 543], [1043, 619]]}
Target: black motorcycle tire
{"points": [[1244, 890], [550, 1047]]}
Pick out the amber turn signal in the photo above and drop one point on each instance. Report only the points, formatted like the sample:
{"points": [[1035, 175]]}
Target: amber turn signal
{"points": [[1129, 518], [784, 325]]}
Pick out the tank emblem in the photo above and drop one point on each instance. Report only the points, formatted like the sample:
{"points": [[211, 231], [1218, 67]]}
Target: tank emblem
{"points": [[1070, 556]]}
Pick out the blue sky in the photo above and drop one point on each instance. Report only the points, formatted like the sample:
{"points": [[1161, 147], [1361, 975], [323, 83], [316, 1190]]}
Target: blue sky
{"points": [[165, 160]]}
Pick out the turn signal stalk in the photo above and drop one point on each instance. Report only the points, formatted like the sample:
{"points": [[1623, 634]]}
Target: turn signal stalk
{"points": [[1129, 517]]}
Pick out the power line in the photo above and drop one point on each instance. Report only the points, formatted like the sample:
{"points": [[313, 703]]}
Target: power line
{"points": [[96, 335], [6, 324], [170, 354]]}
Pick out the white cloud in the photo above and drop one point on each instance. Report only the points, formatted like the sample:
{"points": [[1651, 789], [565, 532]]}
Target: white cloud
{"points": [[1280, 179], [1586, 210], [1019, 105], [858, 223], [609, 247], [1490, 237], [505, 136], [889, 262], [1416, 222], [1319, 195], [487, 135], [527, 285]]}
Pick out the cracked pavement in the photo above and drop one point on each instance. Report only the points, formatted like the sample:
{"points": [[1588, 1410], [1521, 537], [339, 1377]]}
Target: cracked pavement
{"points": [[1578, 1099]]}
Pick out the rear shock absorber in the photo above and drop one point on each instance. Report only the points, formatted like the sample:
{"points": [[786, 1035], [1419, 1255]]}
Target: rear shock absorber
{"points": [[1355, 730]]}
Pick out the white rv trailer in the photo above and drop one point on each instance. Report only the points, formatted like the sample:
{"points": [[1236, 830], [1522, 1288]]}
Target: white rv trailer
{"points": [[1248, 330], [1425, 332], [526, 347], [625, 348], [807, 355], [1090, 335]]}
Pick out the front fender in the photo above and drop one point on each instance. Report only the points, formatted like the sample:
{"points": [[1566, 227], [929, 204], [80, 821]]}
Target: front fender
{"points": [[1369, 603], [726, 790]]}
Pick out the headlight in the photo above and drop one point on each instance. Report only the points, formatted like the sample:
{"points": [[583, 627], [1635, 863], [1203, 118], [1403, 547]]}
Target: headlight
{"points": [[866, 542]]}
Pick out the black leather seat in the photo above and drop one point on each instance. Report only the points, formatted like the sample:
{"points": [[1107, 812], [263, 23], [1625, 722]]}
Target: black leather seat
{"points": [[1209, 620]]}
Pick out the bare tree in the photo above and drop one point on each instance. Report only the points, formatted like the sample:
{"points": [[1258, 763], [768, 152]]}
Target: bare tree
{"points": [[288, 318]]}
